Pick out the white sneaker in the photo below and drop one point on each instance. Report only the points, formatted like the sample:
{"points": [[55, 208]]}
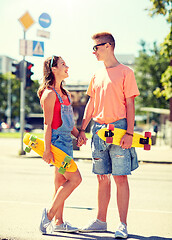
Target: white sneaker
{"points": [[64, 227], [96, 226], [45, 222], [122, 231]]}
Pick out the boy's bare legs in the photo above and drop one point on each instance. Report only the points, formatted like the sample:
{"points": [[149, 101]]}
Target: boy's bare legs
{"points": [[104, 194], [122, 196]]}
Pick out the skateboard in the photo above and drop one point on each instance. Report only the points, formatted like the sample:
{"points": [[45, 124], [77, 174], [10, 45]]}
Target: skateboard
{"points": [[61, 160], [113, 136]]}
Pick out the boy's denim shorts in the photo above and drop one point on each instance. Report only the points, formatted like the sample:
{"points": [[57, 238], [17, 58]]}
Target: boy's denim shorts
{"points": [[110, 158]]}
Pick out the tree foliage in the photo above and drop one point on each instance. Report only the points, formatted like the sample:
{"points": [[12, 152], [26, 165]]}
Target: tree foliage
{"points": [[32, 104], [149, 66], [163, 7]]}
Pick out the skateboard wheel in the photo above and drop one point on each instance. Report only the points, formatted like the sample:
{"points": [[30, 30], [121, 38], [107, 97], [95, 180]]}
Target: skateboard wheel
{"points": [[148, 134], [62, 170], [67, 159], [33, 138], [109, 140], [110, 127], [147, 147], [28, 149]]}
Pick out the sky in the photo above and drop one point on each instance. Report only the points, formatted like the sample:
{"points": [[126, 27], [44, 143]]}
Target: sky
{"points": [[73, 22]]}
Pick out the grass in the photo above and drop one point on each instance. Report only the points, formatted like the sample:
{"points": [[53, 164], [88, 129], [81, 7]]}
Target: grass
{"points": [[18, 135]]}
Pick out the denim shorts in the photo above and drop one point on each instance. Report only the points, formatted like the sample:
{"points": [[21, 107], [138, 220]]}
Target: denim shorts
{"points": [[62, 140], [110, 158]]}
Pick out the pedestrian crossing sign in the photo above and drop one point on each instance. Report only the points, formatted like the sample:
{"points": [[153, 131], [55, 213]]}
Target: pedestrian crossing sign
{"points": [[38, 48]]}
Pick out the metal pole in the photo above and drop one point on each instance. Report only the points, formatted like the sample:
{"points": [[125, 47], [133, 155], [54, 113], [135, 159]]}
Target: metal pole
{"points": [[9, 102], [22, 102]]}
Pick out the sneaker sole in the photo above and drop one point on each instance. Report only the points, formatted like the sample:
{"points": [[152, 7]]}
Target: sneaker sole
{"points": [[119, 236], [69, 231], [93, 230]]}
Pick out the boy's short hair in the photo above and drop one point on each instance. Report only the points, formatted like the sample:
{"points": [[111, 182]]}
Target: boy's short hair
{"points": [[106, 37]]}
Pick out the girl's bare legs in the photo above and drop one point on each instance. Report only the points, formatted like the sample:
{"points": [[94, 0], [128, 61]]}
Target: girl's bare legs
{"points": [[63, 192], [59, 180]]}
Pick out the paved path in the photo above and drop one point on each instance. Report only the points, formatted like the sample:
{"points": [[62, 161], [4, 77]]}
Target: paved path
{"points": [[159, 153], [26, 185]]}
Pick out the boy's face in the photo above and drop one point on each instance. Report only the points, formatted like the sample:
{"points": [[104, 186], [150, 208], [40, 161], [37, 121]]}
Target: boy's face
{"points": [[99, 49]]}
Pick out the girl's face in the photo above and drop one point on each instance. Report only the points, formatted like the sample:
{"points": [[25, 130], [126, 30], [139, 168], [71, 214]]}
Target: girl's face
{"points": [[62, 68]]}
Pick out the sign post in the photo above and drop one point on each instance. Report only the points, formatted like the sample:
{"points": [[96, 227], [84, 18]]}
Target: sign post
{"points": [[30, 48], [27, 21]]}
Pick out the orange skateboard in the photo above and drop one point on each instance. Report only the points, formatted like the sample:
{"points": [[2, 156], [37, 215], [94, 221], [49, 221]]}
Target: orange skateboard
{"points": [[61, 160], [113, 135]]}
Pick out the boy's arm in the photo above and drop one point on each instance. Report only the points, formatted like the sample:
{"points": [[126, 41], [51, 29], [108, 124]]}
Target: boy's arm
{"points": [[126, 141], [75, 132], [87, 117]]}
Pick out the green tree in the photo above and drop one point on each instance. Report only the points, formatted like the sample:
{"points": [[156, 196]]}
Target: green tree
{"points": [[32, 104], [149, 66], [163, 7]]}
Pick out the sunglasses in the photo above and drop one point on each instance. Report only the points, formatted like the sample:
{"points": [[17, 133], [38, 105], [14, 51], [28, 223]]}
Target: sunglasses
{"points": [[96, 46], [52, 59]]}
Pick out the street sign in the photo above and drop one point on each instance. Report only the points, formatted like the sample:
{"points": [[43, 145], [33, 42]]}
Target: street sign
{"points": [[45, 20], [26, 20], [38, 48], [26, 47], [31, 48], [42, 33]]}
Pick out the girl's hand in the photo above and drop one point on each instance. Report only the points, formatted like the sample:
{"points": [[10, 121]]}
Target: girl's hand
{"points": [[81, 140], [48, 156]]}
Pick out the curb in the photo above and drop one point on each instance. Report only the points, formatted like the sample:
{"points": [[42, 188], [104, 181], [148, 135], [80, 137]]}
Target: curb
{"points": [[140, 161]]}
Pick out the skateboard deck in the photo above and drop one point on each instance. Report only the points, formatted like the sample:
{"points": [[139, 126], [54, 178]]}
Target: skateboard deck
{"points": [[113, 136], [61, 160]]}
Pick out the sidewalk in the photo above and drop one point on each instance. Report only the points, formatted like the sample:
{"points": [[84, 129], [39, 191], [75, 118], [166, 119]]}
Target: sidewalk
{"points": [[157, 154]]}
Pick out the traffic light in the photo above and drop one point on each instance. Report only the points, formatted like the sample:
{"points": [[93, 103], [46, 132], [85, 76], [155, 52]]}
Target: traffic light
{"points": [[16, 69], [29, 73]]}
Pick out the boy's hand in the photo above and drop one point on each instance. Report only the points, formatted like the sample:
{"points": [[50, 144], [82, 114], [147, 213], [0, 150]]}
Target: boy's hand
{"points": [[126, 141], [81, 139]]}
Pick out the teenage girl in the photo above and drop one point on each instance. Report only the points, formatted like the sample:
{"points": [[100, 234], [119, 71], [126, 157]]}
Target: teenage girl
{"points": [[58, 126]]}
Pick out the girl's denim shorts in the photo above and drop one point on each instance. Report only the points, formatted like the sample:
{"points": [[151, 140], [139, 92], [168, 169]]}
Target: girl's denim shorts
{"points": [[62, 140], [110, 158]]}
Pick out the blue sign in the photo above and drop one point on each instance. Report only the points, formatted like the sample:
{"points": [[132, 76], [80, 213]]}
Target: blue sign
{"points": [[38, 49], [44, 20]]}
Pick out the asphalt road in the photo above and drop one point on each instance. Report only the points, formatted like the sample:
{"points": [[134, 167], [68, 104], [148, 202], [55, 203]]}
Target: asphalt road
{"points": [[26, 187]]}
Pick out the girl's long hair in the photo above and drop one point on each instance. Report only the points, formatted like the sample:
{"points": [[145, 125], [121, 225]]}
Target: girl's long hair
{"points": [[48, 78]]}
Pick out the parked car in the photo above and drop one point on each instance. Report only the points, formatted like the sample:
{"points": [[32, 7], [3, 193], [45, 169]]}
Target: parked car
{"points": [[28, 127], [3, 125]]}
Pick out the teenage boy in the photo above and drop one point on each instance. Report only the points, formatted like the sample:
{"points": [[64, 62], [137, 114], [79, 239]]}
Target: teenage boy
{"points": [[112, 91]]}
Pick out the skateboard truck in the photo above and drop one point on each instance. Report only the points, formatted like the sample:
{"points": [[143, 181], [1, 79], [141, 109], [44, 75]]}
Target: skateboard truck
{"points": [[109, 133], [65, 164], [144, 140], [32, 143]]}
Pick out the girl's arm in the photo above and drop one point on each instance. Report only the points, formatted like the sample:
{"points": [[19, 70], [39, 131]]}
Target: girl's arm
{"points": [[48, 101]]}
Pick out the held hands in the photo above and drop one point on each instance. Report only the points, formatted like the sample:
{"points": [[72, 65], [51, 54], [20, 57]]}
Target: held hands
{"points": [[126, 141], [48, 156], [81, 139]]}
